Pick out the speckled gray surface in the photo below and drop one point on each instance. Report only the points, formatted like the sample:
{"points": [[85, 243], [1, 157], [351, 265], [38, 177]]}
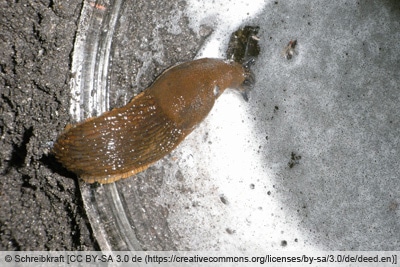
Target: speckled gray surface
{"points": [[338, 105], [312, 161]]}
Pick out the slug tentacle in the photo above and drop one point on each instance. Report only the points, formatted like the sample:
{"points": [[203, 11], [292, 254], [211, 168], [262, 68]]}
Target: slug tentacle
{"points": [[249, 80]]}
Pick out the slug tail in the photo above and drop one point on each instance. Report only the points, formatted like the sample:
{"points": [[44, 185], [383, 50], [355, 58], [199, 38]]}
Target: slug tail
{"points": [[119, 143]]}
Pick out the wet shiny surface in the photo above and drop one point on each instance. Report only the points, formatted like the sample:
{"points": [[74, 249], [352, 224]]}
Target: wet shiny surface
{"points": [[126, 140]]}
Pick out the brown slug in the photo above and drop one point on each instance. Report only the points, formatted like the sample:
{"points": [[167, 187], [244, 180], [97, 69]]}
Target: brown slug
{"points": [[127, 140]]}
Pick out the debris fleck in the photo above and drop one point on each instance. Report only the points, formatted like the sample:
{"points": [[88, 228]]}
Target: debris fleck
{"points": [[289, 51], [224, 199], [294, 160], [98, 6], [230, 231]]}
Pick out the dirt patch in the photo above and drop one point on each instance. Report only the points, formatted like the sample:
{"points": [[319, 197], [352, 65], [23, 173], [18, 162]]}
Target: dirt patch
{"points": [[40, 209]]}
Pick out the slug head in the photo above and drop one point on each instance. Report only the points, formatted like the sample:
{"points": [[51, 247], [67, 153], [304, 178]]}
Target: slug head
{"points": [[187, 92]]}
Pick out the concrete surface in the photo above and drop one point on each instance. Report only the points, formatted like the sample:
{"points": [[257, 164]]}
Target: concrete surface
{"points": [[312, 161]]}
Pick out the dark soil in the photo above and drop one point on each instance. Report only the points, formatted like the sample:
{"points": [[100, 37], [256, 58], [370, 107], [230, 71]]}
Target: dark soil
{"points": [[40, 209], [41, 205]]}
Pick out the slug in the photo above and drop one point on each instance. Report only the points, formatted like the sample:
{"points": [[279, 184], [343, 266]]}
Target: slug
{"points": [[127, 140]]}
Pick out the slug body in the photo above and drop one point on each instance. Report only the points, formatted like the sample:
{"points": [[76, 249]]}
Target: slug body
{"points": [[127, 140]]}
